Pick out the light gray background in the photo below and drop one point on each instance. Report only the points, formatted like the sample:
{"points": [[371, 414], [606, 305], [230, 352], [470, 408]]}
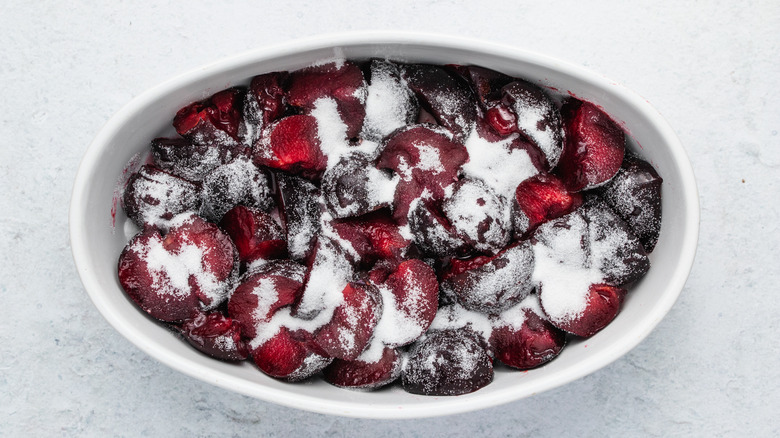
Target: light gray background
{"points": [[711, 68]]}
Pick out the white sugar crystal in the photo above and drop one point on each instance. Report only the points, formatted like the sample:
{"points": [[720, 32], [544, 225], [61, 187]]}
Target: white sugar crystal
{"points": [[329, 275], [338, 60], [370, 148], [406, 232], [374, 350], [238, 182], [311, 364], [430, 159], [455, 316], [381, 188], [564, 267], [225, 343], [301, 232], [354, 186], [299, 242], [497, 165], [346, 337], [175, 195], [514, 317], [331, 129], [396, 327], [479, 215], [332, 133], [565, 289], [388, 104], [404, 169], [615, 252], [529, 118], [452, 104], [172, 273], [328, 232], [266, 295]]}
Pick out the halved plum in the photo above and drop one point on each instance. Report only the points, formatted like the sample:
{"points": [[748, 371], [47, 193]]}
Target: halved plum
{"points": [[216, 335], [153, 197], [341, 81], [447, 362], [478, 215], [582, 258], [409, 303], [234, 183], [501, 162], [524, 338], [354, 186], [425, 158], [359, 374], [330, 269], [477, 325], [635, 194], [256, 234], [347, 334], [374, 237], [193, 267], [447, 98], [261, 305], [191, 161], [217, 120], [262, 292], [432, 233], [292, 144], [602, 304], [390, 103], [287, 357], [615, 251], [594, 146], [494, 283], [265, 102], [300, 211], [486, 83], [527, 109], [540, 199]]}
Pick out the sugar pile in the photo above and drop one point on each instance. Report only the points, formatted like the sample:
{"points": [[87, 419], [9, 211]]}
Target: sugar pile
{"points": [[497, 164], [390, 104], [564, 268]]}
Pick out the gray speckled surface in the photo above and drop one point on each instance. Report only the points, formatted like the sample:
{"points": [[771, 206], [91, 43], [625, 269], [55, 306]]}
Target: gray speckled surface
{"points": [[709, 369]]}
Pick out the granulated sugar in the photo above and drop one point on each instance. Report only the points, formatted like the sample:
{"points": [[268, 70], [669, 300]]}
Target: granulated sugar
{"points": [[455, 316], [332, 132], [496, 164], [329, 274], [564, 267], [177, 273], [540, 122], [497, 284], [478, 215], [238, 182], [390, 104], [157, 196]]}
